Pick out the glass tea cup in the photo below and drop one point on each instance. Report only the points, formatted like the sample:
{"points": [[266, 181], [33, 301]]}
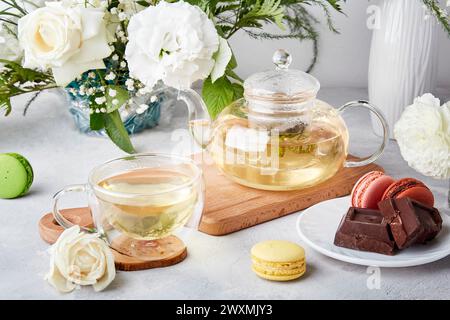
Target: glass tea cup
{"points": [[139, 199]]}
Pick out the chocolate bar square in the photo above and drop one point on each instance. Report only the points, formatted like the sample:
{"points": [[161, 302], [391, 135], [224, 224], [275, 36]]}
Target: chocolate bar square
{"points": [[365, 230], [410, 221]]}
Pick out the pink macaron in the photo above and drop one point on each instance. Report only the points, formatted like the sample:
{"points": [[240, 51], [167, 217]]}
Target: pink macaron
{"points": [[410, 188], [369, 189]]}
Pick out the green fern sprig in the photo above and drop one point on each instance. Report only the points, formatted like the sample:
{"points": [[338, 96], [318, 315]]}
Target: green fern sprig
{"points": [[441, 15], [16, 80], [263, 10]]}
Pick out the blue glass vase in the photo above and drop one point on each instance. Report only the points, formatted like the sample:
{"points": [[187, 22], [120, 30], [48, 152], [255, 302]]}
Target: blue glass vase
{"points": [[143, 113]]}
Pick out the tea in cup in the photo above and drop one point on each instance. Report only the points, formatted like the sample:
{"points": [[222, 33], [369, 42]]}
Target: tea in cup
{"points": [[139, 199]]}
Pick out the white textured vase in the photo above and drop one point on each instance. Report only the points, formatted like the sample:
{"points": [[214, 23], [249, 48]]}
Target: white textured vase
{"points": [[403, 58]]}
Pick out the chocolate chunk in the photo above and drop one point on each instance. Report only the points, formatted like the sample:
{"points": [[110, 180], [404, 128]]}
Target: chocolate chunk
{"points": [[365, 230], [410, 221]]}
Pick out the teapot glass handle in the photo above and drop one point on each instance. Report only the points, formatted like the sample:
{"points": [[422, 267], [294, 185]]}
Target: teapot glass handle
{"points": [[378, 113], [199, 119]]}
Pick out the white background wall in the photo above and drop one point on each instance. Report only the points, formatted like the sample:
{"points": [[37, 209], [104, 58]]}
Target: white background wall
{"points": [[343, 58]]}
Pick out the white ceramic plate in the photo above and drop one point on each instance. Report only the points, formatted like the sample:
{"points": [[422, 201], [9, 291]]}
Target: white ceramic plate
{"points": [[317, 226]]}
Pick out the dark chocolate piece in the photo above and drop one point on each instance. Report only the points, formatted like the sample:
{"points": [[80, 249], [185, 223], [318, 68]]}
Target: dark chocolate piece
{"points": [[410, 221], [365, 230]]}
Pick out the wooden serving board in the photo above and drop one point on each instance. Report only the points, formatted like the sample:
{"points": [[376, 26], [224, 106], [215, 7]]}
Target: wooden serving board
{"points": [[230, 207]]}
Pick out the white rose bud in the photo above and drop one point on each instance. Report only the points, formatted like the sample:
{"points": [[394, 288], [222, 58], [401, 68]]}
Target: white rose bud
{"points": [[79, 258]]}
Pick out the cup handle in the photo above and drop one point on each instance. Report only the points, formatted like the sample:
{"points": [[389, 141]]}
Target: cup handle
{"points": [[379, 114], [63, 222]]}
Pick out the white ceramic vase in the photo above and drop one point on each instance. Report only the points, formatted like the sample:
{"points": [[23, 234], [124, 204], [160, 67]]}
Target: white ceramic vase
{"points": [[403, 58]]}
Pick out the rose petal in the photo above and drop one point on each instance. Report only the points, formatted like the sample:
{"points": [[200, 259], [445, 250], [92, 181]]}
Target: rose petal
{"points": [[68, 72], [95, 48], [57, 280], [110, 272], [92, 21]]}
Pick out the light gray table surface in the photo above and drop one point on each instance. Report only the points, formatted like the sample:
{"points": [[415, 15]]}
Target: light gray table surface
{"points": [[216, 267]]}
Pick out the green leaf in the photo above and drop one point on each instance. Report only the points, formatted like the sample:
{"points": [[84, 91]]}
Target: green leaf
{"points": [[12, 78], [238, 91], [263, 10], [5, 104], [233, 63], [230, 73], [143, 3], [24, 74], [96, 121], [116, 131], [217, 95], [122, 97]]}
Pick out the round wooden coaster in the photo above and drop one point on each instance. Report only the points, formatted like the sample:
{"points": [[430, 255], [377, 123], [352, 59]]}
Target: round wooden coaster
{"points": [[50, 230], [133, 255], [143, 255]]}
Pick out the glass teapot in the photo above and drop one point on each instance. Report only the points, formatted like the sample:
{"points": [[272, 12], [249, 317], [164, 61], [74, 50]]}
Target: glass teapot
{"points": [[279, 136]]}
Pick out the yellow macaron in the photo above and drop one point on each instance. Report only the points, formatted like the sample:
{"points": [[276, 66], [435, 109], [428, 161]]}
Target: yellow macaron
{"points": [[278, 260]]}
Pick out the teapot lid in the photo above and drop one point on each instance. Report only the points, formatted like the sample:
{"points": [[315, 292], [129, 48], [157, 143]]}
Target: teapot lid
{"points": [[282, 85]]}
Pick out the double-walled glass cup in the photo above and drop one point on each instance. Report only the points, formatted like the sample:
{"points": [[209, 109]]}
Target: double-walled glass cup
{"points": [[139, 199]]}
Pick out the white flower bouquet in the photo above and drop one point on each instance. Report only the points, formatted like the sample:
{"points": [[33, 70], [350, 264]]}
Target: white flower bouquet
{"points": [[111, 51]]}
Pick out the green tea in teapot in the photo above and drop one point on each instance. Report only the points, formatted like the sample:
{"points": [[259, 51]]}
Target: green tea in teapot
{"points": [[274, 160]]}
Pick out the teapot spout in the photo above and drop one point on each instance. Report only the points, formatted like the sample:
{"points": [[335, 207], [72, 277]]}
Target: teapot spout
{"points": [[199, 119]]}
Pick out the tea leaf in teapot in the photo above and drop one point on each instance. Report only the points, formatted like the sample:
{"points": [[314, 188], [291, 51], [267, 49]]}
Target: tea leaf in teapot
{"points": [[297, 143], [299, 128], [308, 148]]}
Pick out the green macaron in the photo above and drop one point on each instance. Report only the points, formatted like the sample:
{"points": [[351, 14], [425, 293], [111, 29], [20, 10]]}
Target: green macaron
{"points": [[16, 175]]}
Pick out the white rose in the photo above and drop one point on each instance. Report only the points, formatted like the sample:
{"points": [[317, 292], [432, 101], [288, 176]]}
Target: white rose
{"points": [[70, 41], [423, 135], [79, 258], [9, 45], [172, 42]]}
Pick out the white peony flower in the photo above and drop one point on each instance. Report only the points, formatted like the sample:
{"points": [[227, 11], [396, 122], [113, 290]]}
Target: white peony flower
{"points": [[222, 57], [172, 42], [9, 45], [79, 258], [68, 40], [423, 135]]}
